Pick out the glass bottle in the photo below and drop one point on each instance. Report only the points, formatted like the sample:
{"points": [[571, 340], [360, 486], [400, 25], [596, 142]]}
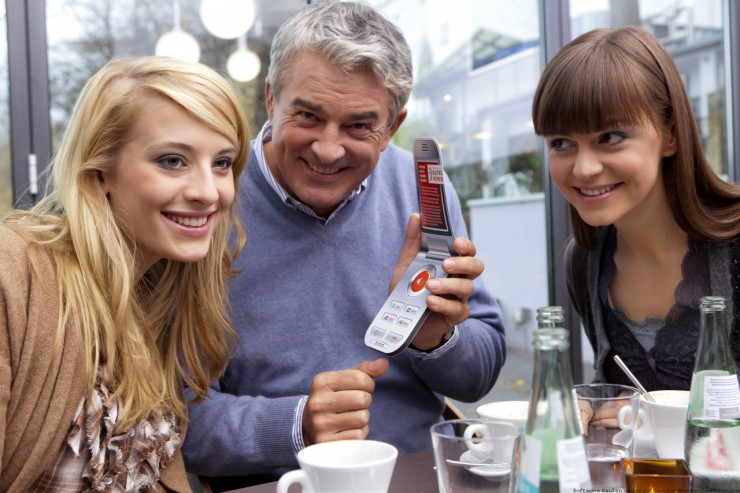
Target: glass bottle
{"points": [[712, 447], [552, 457]]}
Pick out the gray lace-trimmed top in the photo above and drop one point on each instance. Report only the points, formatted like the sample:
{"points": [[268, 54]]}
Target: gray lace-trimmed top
{"points": [[645, 332], [708, 269]]}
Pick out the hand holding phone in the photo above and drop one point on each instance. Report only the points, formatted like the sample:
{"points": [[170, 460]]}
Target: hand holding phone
{"points": [[405, 310]]}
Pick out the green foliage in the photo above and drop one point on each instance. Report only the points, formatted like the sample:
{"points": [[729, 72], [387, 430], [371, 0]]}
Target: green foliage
{"points": [[410, 130], [527, 164]]}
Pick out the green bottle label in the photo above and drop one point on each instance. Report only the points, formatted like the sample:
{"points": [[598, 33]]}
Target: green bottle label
{"points": [[570, 468]]}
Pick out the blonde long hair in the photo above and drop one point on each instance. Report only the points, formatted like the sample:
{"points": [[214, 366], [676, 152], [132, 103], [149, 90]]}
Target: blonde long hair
{"points": [[608, 77], [172, 326]]}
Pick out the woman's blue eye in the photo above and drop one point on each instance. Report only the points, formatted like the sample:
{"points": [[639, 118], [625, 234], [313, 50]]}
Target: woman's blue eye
{"points": [[170, 161], [224, 163]]}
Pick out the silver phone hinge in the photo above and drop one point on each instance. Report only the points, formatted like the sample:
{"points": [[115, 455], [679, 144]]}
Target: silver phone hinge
{"points": [[437, 248]]}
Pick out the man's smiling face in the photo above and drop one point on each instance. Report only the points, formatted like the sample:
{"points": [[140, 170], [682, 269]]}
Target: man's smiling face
{"points": [[328, 130]]}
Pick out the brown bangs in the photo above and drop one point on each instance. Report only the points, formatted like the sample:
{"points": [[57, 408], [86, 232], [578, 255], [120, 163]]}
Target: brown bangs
{"points": [[588, 89]]}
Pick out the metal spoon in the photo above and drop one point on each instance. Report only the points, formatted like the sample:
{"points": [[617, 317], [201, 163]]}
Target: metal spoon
{"points": [[486, 464], [633, 378]]}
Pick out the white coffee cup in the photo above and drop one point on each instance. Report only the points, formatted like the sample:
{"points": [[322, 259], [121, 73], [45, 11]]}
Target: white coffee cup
{"points": [[492, 438], [665, 419], [514, 412], [668, 419], [345, 466], [662, 422]]}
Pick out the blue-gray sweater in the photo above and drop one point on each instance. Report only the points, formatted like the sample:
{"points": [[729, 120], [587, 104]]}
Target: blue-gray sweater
{"points": [[301, 306]]}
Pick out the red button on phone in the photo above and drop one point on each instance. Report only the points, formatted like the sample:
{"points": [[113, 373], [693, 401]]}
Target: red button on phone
{"points": [[419, 281]]}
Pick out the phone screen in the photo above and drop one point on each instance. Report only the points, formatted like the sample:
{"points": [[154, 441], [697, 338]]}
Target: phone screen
{"points": [[432, 200]]}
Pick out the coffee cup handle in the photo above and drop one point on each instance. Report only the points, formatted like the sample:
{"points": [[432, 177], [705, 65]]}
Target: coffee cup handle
{"points": [[291, 477], [626, 413], [470, 442]]}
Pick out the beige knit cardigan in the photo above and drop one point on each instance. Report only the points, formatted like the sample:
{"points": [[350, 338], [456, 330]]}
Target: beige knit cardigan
{"points": [[40, 391]]}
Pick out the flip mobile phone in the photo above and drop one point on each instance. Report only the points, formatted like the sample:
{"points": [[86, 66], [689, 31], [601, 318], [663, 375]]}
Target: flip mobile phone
{"points": [[405, 310]]}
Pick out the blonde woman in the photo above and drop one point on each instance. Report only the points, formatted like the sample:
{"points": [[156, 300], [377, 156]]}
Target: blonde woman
{"points": [[112, 288]]}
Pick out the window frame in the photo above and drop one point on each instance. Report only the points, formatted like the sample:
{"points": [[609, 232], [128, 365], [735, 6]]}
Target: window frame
{"points": [[30, 127]]}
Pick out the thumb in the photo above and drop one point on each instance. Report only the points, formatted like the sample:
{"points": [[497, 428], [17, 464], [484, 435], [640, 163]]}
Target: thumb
{"points": [[411, 245], [374, 369]]}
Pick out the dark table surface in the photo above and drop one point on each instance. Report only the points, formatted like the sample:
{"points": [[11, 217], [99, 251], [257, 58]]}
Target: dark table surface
{"points": [[414, 473]]}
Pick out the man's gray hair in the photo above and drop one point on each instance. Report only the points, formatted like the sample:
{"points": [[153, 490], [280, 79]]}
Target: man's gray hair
{"points": [[351, 35]]}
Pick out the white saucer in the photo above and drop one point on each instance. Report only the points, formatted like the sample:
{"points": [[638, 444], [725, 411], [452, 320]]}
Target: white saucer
{"points": [[487, 471]]}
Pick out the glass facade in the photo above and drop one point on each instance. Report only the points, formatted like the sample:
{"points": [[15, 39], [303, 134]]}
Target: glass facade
{"points": [[476, 66], [84, 34]]}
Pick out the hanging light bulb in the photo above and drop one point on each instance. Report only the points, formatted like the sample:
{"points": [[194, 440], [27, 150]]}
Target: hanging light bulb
{"points": [[177, 43], [243, 65], [227, 19]]}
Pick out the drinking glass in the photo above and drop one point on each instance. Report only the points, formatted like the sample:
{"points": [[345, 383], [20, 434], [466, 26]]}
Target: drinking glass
{"points": [[473, 454], [608, 438]]}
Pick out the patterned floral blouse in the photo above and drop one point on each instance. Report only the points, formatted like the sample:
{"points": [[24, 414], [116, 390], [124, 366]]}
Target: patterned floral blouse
{"points": [[95, 459]]}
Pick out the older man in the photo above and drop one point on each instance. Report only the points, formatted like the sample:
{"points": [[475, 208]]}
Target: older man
{"points": [[326, 199]]}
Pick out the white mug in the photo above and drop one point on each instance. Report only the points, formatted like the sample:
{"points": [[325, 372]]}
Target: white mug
{"points": [[492, 439], [663, 421], [344, 466], [668, 417], [514, 412]]}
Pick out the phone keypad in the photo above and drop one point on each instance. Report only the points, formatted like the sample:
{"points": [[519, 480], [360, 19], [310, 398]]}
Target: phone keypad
{"points": [[385, 335], [393, 337], [402, 307], [395, 319]]}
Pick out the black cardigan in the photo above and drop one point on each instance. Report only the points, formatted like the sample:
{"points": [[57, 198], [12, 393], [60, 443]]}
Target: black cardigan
{"points": [[584, 271]]}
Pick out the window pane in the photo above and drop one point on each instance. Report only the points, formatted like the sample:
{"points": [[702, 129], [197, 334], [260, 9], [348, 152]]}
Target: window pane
{"points": [[6, 181], [84, 34], [693, 32], [476, 66]]}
